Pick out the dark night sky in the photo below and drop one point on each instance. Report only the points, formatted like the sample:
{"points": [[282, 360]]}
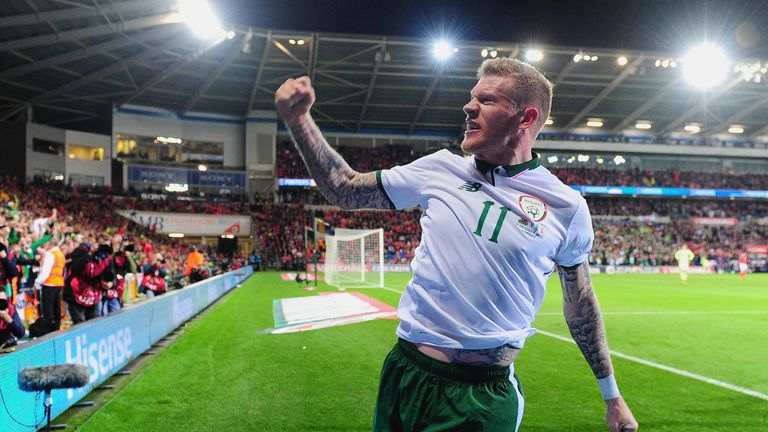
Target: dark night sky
{"points": [[654, 25]]}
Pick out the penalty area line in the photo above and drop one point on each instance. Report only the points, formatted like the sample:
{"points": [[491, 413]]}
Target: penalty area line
{"points": [[378, 287], [670, 369]]}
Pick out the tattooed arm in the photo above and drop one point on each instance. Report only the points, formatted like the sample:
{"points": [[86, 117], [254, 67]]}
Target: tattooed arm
{"points": [[337, 181], [582, 314]]}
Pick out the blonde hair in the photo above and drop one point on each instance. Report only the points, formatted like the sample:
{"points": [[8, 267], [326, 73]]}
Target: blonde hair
{"points": [[531, 87]]}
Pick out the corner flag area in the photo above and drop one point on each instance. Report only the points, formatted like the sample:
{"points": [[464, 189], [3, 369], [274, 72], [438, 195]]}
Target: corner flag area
{"points": [[688, 357]]}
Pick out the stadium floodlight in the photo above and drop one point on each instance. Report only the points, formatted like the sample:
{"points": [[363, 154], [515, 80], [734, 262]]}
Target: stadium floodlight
{"points": [[622, 60], [176, 235], [582, 158], [494, 53], [484, 52], [736, 129], [550, 121], [692, 128], [552, 159], [577, 58], [643, 124], [443, 50], [534, 55], [200, 17], [599, 160], [595, 123], [705, 66], [202, 167], [618, 160]]}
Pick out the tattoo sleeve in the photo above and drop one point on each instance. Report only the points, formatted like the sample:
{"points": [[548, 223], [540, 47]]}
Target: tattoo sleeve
{"points": [[336, 180], [582, 314]]}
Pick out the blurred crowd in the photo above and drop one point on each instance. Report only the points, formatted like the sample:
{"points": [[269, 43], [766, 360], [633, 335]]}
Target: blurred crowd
{"points": [[66, 257], [660, 178], [627, 231], [290, 165]]}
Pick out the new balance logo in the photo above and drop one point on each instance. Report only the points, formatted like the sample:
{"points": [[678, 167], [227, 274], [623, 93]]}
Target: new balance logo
{"points": [[471, 186]]}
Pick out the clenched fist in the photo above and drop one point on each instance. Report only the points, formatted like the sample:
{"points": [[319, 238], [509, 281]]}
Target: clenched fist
{"points": [[294, 98]]}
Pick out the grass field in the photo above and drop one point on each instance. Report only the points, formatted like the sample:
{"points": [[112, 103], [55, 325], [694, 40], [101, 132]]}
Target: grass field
{"points": [[222, 374]]}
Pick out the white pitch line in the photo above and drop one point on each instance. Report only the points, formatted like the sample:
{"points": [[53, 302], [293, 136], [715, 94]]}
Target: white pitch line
{"points": [[676, 371], [673, 312]]}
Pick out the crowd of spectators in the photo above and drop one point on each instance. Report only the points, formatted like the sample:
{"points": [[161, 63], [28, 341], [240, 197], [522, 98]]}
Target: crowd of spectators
{"points": [[660, 178], [744, 211], [64, 243], [639, 231], [363, 159], [290, 165], [632, 242]]}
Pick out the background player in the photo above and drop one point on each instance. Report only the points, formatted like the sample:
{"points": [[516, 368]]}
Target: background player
{"points": [[743, 266], [684, 256]]}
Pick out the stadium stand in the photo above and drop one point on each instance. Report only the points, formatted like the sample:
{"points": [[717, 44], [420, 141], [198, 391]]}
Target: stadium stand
{"points": [[290, 165], [629, 231], [39, 215]]}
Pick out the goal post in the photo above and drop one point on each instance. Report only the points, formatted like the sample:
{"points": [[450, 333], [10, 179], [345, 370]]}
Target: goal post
{"points": [[354, 258]]}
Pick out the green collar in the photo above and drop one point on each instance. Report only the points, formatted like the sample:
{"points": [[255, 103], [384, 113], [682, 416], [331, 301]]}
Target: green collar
{"points": [[510, 170]]}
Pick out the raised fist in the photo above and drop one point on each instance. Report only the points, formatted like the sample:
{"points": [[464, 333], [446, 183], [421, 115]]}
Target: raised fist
{"points": [[294, 98]]}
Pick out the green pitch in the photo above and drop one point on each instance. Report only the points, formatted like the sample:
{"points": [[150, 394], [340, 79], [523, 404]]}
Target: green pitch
{"points": [[222, 374]]}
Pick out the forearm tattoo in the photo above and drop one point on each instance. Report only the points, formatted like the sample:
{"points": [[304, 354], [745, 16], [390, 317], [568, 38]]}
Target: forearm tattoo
{"points": [[499, 356], [582, 314], [336, 180]]}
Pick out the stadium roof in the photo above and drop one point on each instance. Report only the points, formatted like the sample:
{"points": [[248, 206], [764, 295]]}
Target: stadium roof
{"points": [[71, 60]]}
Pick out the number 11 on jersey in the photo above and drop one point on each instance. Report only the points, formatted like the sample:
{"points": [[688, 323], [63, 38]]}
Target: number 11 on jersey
{"points": [[497, 229]]}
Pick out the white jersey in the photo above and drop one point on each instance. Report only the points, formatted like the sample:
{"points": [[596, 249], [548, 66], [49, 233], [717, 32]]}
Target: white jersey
{"points": [[491, 238]]}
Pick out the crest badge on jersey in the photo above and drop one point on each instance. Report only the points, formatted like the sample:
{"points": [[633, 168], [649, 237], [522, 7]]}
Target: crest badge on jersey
{"points": [[533, 207]]}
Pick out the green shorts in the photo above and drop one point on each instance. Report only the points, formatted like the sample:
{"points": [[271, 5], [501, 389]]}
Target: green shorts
{"points": [[419, 393]]}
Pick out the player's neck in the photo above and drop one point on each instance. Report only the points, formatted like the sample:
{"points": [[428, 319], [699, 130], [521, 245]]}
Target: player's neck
{"points": [[516, 156]]}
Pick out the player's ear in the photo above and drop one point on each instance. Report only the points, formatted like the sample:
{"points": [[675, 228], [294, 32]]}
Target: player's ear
{"points": [[530, 115]]}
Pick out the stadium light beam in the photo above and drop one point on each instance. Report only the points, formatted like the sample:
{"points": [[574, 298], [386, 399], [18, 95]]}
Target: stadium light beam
{"points": [[200, 18], [443, 50], [705, 66]]}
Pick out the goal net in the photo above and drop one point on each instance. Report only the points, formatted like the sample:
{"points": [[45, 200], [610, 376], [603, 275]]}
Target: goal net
{"points": [[355, 258]]}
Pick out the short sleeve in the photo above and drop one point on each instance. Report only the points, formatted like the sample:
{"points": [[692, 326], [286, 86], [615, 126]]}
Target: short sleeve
{"points": [[404, 185], [578, 242]]}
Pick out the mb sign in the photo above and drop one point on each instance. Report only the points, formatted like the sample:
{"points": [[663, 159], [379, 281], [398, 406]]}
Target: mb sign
{"points": [[190, 223]]}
